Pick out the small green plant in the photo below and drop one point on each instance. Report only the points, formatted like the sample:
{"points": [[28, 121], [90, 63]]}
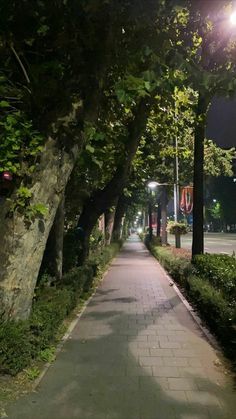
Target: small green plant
{"points": [[21, 204], [47, 354], [32, 373]]}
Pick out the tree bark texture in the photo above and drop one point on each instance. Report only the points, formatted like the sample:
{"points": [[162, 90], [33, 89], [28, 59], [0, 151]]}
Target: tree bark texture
{"points": [[119, 217], [21, 245], [198, 177], [53, 255], [109, 223]]}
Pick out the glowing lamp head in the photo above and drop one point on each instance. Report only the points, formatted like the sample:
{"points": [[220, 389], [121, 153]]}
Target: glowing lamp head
{"points": [[233, 19], [152, 185]]}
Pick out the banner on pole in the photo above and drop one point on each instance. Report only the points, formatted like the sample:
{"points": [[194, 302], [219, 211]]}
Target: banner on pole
{"points": [[186, 203]]}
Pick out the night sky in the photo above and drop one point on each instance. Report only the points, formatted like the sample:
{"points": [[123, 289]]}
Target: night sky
{"points": [[221, 126]]}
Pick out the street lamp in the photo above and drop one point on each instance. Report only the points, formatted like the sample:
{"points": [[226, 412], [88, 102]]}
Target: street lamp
{"points": [[233, 18], [152, 186]]}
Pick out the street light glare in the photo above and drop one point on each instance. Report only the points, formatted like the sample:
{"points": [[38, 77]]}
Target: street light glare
{"points": [[233, 18], [152, 185]]}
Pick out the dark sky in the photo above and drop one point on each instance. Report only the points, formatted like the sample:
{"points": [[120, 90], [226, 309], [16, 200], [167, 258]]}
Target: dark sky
{"points": [[221, 126]]}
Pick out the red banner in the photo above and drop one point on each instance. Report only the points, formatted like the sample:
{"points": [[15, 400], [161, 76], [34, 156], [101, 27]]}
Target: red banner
{"points": [[186, 203]]}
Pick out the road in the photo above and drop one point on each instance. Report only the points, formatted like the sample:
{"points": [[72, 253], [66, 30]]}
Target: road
{"points": [[214, 242]]}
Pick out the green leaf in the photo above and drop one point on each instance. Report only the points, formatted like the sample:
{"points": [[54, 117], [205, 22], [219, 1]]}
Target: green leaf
{"points": [[4, 104], [89, 148]]}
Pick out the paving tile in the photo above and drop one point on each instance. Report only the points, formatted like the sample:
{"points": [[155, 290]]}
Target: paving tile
{"points": [[161, 352], [181, 384], [150, 360], [161, 371], [136, 353]]}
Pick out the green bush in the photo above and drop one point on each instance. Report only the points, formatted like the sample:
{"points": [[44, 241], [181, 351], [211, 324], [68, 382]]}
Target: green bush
{"points": [[15, 347], [214, 308], [220, 271], [178, 268], [20, 342], [211, 285]]}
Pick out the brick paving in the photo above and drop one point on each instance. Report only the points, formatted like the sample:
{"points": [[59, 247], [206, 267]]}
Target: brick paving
{"points": [[136, 353]]}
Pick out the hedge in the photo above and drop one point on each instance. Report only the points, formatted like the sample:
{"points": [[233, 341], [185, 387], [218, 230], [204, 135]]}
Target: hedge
{"points": [[22, 341], [210, 282]]}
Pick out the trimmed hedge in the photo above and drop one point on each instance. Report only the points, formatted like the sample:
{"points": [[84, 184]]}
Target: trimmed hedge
{"points": [[210, 282], [178, 268], [220, 271], [215, 309], [22, 341]]}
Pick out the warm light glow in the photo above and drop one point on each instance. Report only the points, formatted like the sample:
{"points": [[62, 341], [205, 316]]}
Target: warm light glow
{"points": [[140, 230], [152, 185], [139, 213], [233, 18]]}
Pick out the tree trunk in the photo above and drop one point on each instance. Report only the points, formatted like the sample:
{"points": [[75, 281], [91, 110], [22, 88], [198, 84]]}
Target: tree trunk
{"points": [[22, 246], [119, 217], [102, 200], [198, 176], [150, 219], [109, 223], [159, 220], [53, 255], [164, 216]]}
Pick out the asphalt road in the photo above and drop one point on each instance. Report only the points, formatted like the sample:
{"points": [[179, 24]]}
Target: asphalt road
{"points": [[214, 242]]}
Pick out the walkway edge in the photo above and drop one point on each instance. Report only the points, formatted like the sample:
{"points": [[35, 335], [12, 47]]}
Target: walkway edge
{"points": [[211, 339], [68, 332]]}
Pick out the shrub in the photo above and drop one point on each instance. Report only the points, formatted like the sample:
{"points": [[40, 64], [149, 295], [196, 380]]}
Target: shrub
{"points": [[20, 342], [48, 312], [210, 283], [220, 271], [214, 308], [15, 347], [178, 268]]}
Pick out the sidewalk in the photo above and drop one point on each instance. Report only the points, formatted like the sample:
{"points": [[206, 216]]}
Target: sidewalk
{"points": [[136, 353]]}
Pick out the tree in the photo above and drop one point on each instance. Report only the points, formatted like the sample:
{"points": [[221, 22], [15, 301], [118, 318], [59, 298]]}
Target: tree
{"points": [[60, 61], [209, 61]]}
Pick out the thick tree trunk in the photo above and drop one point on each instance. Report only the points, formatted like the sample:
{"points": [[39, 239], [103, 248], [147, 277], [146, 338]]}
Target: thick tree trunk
{"points": [[21, 245], [53, 256], [198, 177], [164, 202], [119, 218]]}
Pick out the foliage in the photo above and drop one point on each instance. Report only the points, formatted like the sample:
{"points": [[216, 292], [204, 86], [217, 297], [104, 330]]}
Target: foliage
{"points": [[177, 228], [20, 203], [15, 347], [20, 144], [211, 285], [178, 268], [220, 271], [215, 309], [22, 341]]}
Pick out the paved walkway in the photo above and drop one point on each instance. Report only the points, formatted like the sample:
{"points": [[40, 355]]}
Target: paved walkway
{"points": [[136, 353]]}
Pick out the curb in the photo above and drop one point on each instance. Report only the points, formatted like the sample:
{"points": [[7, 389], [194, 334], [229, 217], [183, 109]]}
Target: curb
{"points": [[211, 339]]}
